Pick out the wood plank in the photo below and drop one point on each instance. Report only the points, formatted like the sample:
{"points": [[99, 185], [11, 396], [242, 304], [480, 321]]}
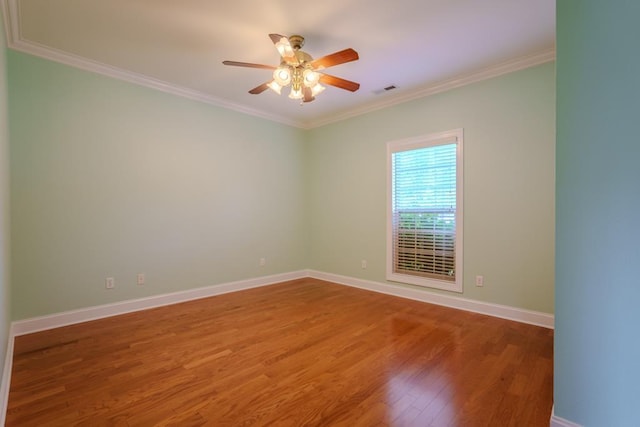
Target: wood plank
{"points": [[304, 352]]}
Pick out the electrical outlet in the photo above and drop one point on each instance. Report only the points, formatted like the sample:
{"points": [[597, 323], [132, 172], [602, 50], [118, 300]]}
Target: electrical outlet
{"points": [[263, 262], [363, 264], [109, 283], [140, 279], [479, 281]]}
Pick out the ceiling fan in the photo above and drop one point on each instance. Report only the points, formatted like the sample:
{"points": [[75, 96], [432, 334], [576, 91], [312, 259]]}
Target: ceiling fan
{"points": [[300, 70]]}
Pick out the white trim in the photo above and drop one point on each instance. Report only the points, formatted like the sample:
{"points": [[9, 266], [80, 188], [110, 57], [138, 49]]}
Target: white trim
{"points": [[35, 324], [490, 72], [537, 318], [140, 79], [17, 42], [6, 378], [447, 137], [561, 422], [10, 19]]}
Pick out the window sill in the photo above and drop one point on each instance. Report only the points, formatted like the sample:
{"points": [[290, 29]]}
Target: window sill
{"points": [[426, 282]]}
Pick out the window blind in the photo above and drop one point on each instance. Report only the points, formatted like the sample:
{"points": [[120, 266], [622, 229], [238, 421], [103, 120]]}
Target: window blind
{"points": [[424, 211]]}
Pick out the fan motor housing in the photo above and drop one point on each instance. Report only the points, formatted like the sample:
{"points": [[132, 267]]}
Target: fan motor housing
{"points": [[296, 41]]}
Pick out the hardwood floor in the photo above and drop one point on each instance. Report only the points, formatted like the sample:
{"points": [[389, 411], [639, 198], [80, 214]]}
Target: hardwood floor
{"points": [[300, 353]]}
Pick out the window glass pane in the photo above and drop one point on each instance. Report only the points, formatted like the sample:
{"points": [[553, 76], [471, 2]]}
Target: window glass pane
{"points": [[425, 178]]}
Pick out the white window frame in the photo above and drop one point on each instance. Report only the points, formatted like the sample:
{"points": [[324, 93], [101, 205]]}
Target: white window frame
{"points": [[448, 137]]}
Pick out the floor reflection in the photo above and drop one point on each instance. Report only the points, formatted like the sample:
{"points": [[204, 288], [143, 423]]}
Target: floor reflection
{"points": [[420, 389]]}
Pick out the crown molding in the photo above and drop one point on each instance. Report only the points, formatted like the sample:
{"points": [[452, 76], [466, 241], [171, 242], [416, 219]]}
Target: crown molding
{"points": [[10, 19], [15, 41], [490, 72], [139, 79]]}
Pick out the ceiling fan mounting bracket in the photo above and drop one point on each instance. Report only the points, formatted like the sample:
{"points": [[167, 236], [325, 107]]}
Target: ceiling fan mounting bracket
{"points": [[296, 41]]}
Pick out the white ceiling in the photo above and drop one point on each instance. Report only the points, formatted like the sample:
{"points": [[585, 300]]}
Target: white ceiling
{"points": [[420, 46]]}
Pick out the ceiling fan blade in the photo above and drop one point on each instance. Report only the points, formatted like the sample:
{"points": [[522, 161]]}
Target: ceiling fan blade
{"points": [[338, 82], [248, 64], [259, 89], [285, 49], [308, 96], [275, 38], [336, 58]]}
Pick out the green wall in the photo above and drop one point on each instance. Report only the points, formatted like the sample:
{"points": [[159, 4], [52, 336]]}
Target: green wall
{"points": [[597, 351], [509, 160], [4, 200], [112, 179]]}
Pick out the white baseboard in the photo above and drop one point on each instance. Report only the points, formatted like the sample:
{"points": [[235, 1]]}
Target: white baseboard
{"points": [[6, 378], [36, 324], [561, 422], [57, 320], [506, 312]]}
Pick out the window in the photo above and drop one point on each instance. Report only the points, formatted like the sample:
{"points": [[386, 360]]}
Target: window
{"points": [[424, 221]]}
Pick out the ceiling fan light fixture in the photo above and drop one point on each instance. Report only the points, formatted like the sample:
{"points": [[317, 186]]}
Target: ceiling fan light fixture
{"points": [[296, 93], [299, 71], [310, 78], [282, 75], [274, 86], [318, 88]]}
